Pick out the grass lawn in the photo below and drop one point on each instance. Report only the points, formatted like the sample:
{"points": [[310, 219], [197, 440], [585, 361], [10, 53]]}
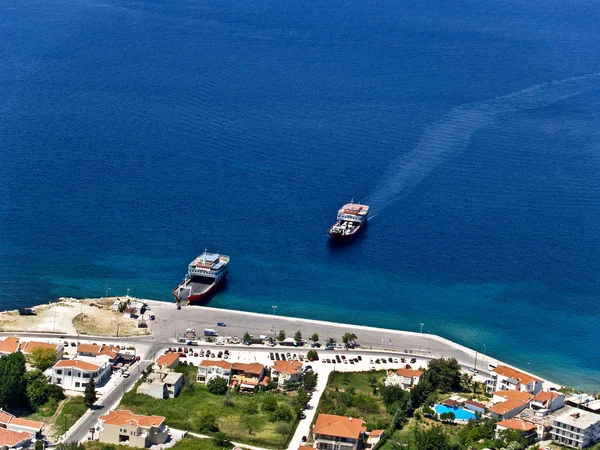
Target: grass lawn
{"points": [[406, 434], [187, 443], [244, 421], [71, 411], [356, 380]]}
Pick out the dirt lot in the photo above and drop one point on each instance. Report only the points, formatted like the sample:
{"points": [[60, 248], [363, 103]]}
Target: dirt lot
{"points": [[70, 316]]}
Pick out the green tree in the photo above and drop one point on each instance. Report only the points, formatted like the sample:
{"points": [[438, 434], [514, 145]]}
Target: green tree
{"points": [[247, 337], [314, 338], [42, 358], [372, 380], [221, 440], [298, 337], [208, 423], [39, 445], [312, 355], [282, 413], [217, 386], [302, 398], [37, 388], [428, 410], [349, 338], [269, 403], [443, 375], [90, 396], [12, 387], [331, 341], [281, 336], [433, 438], [346, 399], [250, 408], [309, 380]]}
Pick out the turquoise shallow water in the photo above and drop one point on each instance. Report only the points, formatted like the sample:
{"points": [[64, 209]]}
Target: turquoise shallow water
{"points": [[135, 134]]}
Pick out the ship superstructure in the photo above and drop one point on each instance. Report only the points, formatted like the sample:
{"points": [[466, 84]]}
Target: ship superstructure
{"points": [[351, 219], [205, 273]]}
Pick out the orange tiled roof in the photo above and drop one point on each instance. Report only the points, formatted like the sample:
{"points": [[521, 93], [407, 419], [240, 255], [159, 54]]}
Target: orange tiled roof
{"points": [[9, 345], [77, 363], [504, 407], [516, 374], [338, 426], [304, 447], [248, 368], [377, 432], [27, 423], [12, 438], [124, 417], [88, 348], [474, 403], [517, 424], [167, 360], [513, 394], [28, 347], [5, 417], [409, 373], [109, 350], [222, 364], [545, 396], [291, 367]]}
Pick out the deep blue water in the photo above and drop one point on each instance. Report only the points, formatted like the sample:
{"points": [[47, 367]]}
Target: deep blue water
{"points": [[133, 134]]}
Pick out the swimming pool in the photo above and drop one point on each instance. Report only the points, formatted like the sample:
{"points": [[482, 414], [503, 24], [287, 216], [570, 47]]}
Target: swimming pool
{"points": [[459, 413]]}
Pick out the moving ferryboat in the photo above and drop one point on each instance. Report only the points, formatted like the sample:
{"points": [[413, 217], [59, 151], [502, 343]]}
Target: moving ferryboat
{"points": [[351, 220], [205, 274]]}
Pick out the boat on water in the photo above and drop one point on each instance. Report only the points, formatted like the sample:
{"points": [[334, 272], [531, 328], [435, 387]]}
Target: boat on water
{"points": [[351, 220], [205, 274]]}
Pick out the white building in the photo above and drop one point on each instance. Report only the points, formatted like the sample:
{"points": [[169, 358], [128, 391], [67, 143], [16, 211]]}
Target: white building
{"points": [[546, 402], [75, 374], [162, 385], [287, 372], [504, 378], [405, 378], [576, 428], [214, 369]]}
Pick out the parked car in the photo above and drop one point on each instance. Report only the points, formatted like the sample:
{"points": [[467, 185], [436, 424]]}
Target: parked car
{"points": [[304, 439], [413, 360], [125, 374], [390, 360], [359, 358], [302, 416], [137, 358], [152, 317], [221, 324]]}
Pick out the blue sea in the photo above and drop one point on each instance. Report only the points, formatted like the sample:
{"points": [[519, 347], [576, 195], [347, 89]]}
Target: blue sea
{"points": [[136, 133]]}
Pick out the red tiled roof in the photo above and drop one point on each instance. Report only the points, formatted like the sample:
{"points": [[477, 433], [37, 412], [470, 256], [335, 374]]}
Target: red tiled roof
{"points": [[124, 417], [109, 350], [517, 424], [77, 363], [474, 403], [28, 347], [545, 396], [248, 368], [304, 447], [5, 417], [12, 438], [222, 364], [512, 394], [516, 374], [167, 360], [88, 348], [338, 426], [409, 373], [9, 345], [291, 367], [27, 423], [377, 432], [450, 402]]}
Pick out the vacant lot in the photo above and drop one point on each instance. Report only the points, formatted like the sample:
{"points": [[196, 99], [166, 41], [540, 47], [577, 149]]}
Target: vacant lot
{"points": [[242, 418], [187, 443]]}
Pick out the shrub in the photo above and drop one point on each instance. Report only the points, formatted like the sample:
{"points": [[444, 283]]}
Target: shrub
{"points": [[312, 354], [269, 403], [282, 413], [208, 423], [217, 386]]}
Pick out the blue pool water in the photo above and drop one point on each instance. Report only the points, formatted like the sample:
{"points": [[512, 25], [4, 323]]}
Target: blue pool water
{"points": [[459, 413], [135, 133]]}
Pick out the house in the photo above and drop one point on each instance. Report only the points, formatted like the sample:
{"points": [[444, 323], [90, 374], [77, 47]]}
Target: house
{"points": [[162, 385], [9, 345], [125, 428], [28, 347], [12, 423], [213, 369], [14, 439], [168, 361], [545, 402], [576, 428], [75, 374], [287, 372], [504, 378], [332, 432], [474, 406], [405, 378], [374, 437], [507, 404], [527, 429], [94, 351], [585, 402], [247, 376]]}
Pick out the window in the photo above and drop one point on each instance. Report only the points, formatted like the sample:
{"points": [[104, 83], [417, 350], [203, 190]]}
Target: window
{"points": [[59, 371], [69, 373], [78, 374], [77, 384], [86, 375], [58, 381]]}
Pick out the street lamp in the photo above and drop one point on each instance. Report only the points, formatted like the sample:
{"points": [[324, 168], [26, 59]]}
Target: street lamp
{"points": [[128, 292], [421, 338], [274, 308]]}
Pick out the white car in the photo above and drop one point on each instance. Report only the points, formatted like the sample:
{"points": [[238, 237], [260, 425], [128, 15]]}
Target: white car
{"points": [[125, 374]]}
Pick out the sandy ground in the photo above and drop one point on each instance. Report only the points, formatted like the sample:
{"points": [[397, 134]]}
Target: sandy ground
{"points": [[70, 316]]}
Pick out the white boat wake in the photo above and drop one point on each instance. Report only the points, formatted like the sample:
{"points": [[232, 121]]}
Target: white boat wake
{"points": [[450, 136]]}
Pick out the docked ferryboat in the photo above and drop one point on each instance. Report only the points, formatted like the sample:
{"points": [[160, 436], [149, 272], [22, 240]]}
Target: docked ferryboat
{"points": [[351, 220], [205, 274]]}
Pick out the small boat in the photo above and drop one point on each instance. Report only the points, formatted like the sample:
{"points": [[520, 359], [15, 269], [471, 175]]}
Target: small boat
{"points": [[351, 220], [205, 274]]}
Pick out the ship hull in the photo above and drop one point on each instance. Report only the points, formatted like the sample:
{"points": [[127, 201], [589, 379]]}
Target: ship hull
{"points": [[347, 237], [192, 293]]}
